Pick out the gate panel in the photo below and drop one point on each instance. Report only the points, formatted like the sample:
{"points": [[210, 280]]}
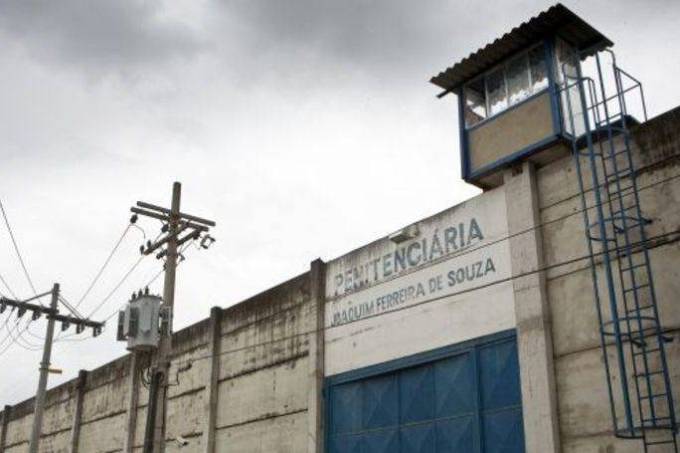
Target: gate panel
{"points": [[461, 399]]}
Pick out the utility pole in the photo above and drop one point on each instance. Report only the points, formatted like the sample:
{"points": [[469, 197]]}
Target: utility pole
{"points": [[39, 407], [53, 315], [175, 223]]}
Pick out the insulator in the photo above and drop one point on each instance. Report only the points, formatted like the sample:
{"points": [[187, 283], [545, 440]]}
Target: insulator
{"points": [[35, 315], [65, 325], [141, 249], [146, 291], [207, 241], [134, 218]]}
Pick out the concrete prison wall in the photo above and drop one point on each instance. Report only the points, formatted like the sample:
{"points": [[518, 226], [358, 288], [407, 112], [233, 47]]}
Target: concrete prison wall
{"points": [[249, 378], [584, 410], [260, 354]]}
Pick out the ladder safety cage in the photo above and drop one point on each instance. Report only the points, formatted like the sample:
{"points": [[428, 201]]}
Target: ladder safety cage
{"points": [[631, 335]]}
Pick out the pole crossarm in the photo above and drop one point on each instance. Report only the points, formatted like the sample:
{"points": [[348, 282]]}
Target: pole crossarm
{"points": [[181, 222], [178, 229], [165, 218], [182, 215], [51, 313]]}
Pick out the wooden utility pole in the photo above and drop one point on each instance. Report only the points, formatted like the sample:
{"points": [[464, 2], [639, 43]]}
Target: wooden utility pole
{"points": [[53, 315], [175, 223]]}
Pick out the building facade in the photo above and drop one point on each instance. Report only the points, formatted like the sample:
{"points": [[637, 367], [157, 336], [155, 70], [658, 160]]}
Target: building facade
{"points": [[503, 323]]}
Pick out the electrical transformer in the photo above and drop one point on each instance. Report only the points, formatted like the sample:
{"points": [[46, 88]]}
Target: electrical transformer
{"points": [[143, 322]]}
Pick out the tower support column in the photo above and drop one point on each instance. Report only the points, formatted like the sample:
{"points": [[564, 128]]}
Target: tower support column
{"points": [[532, 311]]}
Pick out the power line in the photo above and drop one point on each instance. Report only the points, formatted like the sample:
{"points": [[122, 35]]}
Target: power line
{"points": [[17, 340], [120, 283], [103, 267], [149, 283], [16, 248], [428, 301], [540, 225], [26, 274], [518, 233], [4, 282], [70, 306]]}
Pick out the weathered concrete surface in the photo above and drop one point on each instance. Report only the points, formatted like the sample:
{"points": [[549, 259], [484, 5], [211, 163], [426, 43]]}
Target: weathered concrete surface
{"points": [[262, 390], [584, 409], [534, 327], [266, 367]]}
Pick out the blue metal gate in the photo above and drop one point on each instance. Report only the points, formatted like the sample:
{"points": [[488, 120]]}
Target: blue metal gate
{"points": [[460, 399]]}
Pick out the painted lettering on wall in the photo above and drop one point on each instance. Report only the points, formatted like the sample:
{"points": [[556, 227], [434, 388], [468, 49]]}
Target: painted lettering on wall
{"points": [[472, 274], [411, 255]]}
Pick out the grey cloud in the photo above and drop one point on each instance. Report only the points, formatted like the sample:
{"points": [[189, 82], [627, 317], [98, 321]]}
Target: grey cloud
{"points": [[96, 34], [391, 41], [373, 34]]}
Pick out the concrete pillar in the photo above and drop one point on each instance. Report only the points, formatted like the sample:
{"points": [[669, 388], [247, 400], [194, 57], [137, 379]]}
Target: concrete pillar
{"points": [[534, 336], [78, 412], [133, 402], [214, 345], [315, 404], [6, 414]]}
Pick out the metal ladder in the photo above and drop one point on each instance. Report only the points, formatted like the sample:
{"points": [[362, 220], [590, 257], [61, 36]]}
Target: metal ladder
{"points": [[632, 338]]}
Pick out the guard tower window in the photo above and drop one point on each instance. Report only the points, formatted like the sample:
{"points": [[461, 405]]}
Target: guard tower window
{"points": [[506, 85], [567, 63], [475, 102]]}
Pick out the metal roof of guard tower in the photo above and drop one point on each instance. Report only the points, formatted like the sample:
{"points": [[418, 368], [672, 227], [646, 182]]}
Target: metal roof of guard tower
{"points": [[557, 20]]}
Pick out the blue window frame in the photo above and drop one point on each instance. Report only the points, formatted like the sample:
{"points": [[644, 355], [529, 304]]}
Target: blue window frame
{"points": [[536, 90], [463, 398]]}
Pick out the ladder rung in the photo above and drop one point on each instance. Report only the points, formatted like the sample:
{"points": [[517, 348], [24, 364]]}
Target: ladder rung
{"points": [[649, 351], [656, 395], [623, 173], [632, 186], [636, 266], [586, 153], [621, 212], [650, 373], [654, 420], [637, 310], [627, 290], [598, 239], [616, 153], [660, 442]]}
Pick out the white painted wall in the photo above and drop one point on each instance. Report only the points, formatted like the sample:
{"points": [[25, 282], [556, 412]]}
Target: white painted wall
{"points": [[375, 314]]}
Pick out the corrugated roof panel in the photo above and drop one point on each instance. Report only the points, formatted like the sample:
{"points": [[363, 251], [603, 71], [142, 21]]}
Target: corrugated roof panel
{"points": [[556, 20]]}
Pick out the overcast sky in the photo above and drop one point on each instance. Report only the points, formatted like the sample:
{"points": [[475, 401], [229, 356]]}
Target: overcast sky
{"points": [[305, 128]]}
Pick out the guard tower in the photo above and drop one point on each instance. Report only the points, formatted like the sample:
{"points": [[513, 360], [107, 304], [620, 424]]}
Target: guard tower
{"points": [[510, 108], [525, 97]]}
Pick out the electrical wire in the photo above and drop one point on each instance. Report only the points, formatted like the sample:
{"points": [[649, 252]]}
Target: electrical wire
{"points": [[120, 283], [432, 300], [540, 225], [25, 270], [518, 233], [106, 263], [9, 290], [68, 338], [74, 311], [527, 230], [16, 248]]}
